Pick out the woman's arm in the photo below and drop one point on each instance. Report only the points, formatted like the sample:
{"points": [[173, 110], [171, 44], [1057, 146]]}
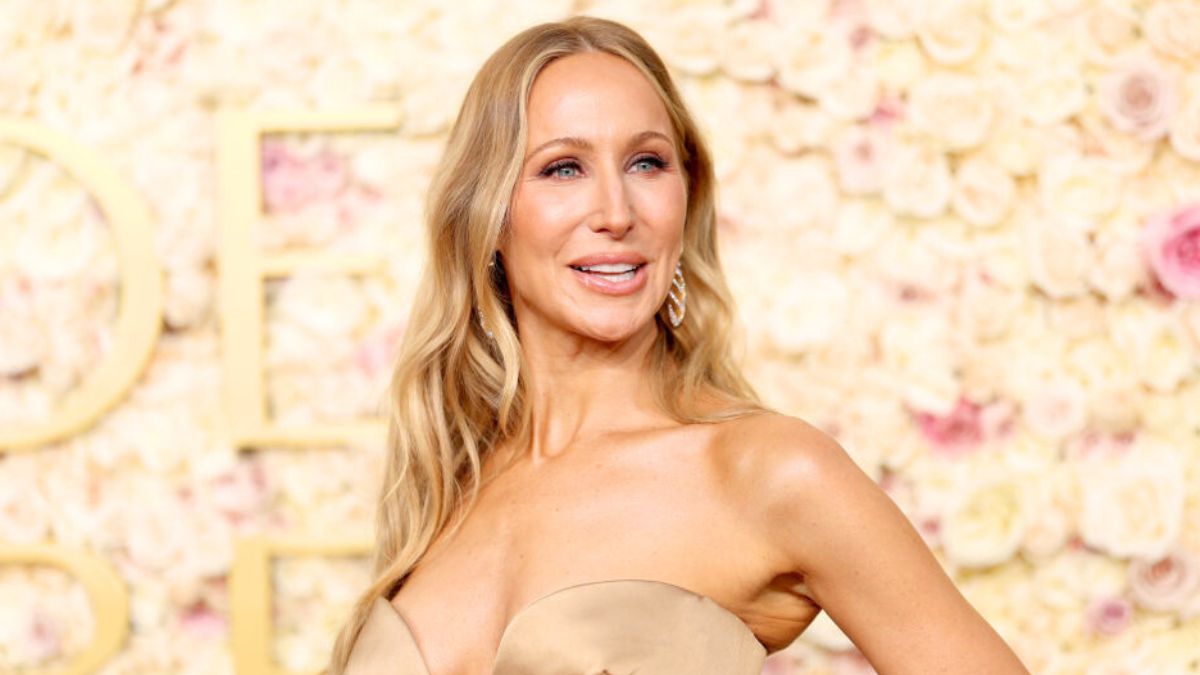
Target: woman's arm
{"points": [[862, 560]]}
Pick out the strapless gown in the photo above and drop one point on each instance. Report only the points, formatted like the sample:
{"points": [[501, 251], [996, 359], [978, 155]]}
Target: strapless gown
{"points": [[613, 627]]}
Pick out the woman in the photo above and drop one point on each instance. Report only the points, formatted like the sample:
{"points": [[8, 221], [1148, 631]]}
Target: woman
{"points": [[579, 478]]}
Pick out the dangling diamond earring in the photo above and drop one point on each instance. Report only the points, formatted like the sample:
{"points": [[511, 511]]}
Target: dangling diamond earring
{"points": [[483, 325], [479, 314], [679, 300]]}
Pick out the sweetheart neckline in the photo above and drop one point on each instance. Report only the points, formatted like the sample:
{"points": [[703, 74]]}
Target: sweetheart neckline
{"points": [[530, 605]]}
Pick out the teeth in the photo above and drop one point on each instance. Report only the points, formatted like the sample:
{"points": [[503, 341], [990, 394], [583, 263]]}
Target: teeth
{"points": [[610, 268]]}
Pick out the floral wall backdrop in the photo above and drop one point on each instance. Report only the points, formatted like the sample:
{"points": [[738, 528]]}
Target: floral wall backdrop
{"points": [[964, 236]]}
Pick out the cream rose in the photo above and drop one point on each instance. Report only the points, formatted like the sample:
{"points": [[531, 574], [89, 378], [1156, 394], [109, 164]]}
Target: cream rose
{"points": [[986, 523], [809, 312], [1011, 15], [859, 159], [1107, 30], [955, 109], [1084, 186], [1185, 130], [894, 19], [1051, 94], [1173, 28], [1155, 341], [1133, 503], [951, 32], [814, 61], [1055, 409], [860, 226], [746, 48], [1058, 255], [983, 192], [916, 180]]}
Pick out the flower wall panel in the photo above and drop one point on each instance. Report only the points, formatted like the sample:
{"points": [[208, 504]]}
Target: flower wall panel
{"points": [[963, 235]]}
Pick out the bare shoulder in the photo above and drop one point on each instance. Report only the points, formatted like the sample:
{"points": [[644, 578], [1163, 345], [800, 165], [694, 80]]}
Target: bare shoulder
{"points": [[825, 520], [772, 448]]}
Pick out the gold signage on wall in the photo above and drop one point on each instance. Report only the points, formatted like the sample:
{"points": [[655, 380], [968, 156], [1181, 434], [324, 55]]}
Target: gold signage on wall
{"points": [[250, 593], [242, 269], [110, 603], [139, 315]]}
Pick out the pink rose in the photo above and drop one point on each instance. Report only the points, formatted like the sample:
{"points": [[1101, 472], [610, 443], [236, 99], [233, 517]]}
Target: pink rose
{"points": [[1171, 246], [1167, 584], [291, 182], [958, 433], [1139, 98], [1109, 615]]}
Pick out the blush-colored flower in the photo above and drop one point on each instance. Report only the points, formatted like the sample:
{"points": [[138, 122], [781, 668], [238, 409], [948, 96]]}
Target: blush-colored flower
{"points": [[955, 434], [290, 181], [1109, 616], [1139, 97], [1171, 246], [1165, 584]]}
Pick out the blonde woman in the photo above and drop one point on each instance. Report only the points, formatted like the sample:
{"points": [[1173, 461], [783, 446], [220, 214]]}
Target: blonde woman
{"points": [[579, 479]]}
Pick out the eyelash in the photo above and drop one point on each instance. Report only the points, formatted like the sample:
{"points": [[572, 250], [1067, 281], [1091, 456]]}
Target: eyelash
{"points": [[658, 163]]}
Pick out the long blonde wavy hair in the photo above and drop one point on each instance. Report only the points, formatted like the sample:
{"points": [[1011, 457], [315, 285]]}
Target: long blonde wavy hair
{"points": [[455, 394]]}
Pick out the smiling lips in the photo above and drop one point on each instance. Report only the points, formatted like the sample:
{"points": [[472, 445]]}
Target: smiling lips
{"points": [[611, 278]]}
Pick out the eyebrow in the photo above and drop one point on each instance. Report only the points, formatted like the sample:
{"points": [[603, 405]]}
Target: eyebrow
{"points": [[576, 141]]}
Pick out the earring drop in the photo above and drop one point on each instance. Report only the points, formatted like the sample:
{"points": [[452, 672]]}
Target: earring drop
{"points": [[483, 325], [679, 299]]}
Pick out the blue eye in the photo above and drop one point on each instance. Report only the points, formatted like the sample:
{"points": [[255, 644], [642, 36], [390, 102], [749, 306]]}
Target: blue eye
{"points": [[651, 160], [554, 168]]}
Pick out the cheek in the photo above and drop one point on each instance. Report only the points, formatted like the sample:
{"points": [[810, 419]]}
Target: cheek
{"points": [[664, 203]]}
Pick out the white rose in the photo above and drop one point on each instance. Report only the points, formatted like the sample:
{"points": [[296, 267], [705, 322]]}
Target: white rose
{"points": [[895, 19], [919, 362], [1185, 130], [1051, 94], [1173, 27], [986, 523], [746, 48], [1119, 268], [955, 109], [1107, 29], [1155, 342], [860, 226], [1114, 408], [916, 180], [1138, 97], [1011, 15], [1125, 153], [325, 305], [1056, 409], [1056, 505], [859, 156], [814, 61], [1079, 185], [951, 32], [853, 97], [1058, 256], [809, 312], [1099, 364], [983, 192], [899, 64], [686, 39], [797, 127], [1133, 504]]}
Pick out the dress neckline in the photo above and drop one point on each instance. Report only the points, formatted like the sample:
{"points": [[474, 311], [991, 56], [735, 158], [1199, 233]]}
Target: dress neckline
{"points": [[504, 634]]}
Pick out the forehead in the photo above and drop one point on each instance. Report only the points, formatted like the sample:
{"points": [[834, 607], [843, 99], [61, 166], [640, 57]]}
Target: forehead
{"points": [[593, 94]]}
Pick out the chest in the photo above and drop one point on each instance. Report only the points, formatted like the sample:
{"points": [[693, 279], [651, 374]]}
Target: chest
{"points": [[605, 515]]}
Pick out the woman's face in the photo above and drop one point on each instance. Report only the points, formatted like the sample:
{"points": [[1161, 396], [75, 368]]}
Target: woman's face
{"points": [[600, 178]]}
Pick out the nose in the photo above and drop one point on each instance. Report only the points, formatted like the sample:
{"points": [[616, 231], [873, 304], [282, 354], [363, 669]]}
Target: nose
{"points": [[616, 211]]}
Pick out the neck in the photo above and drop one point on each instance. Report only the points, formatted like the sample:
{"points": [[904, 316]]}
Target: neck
{"points": [[581, 388]]}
